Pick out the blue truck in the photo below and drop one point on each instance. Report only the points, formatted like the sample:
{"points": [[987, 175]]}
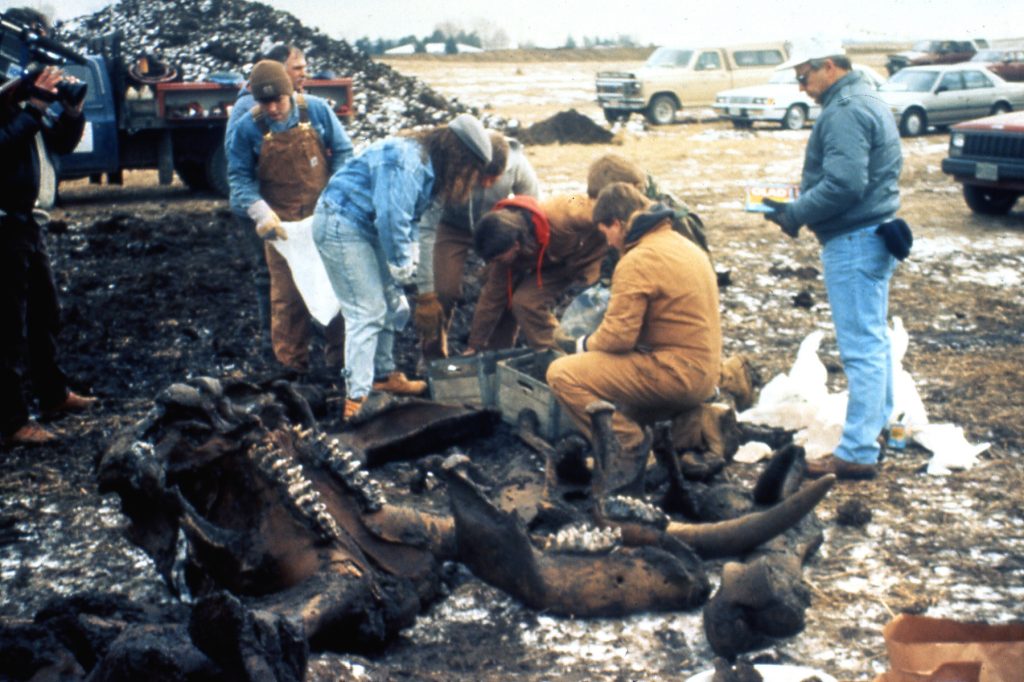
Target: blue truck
{"points": [[170, 126]]}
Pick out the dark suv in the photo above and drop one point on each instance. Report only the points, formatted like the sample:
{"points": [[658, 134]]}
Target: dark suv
{"points": [[987, 156], [1006, 62], [935, 52]]}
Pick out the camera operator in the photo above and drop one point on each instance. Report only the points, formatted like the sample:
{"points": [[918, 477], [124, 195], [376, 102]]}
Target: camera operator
{"points": [[30, 130]]}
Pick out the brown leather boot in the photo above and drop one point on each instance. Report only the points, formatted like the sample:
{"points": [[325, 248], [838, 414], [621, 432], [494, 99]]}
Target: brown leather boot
{"points": [[849, 471], [352, 407], [31, 433], [72, 403], [399, 384]]}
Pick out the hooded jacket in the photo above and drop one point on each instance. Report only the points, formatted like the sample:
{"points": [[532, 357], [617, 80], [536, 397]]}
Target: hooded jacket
{"points": [[567, 240], [664, 300]]}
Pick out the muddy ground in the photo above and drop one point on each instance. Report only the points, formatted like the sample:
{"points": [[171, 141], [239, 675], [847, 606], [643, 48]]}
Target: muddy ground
{"points": [[153, 292]]}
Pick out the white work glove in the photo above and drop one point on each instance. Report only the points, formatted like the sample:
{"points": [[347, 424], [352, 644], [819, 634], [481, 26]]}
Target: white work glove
{"points": [[404, 275], [268, 224]]}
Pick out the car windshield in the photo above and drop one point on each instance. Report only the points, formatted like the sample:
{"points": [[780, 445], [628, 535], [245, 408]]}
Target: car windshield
{"points": [[668, 56], [988, 56], [910, 81], [926, 46], [784, 77]]}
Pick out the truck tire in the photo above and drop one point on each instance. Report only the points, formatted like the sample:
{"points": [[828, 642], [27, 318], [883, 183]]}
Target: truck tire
{"points": [[796, 116], [662, 110], [989, 200], [216, 171], [616, 115], [192, 173]]}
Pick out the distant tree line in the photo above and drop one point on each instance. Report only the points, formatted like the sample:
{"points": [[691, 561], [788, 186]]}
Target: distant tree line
{"points": [[382, 45], [485, 37]]}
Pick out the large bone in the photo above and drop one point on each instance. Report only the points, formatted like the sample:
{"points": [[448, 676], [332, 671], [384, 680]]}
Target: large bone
{"points": [[739, 536], [496, 547]]}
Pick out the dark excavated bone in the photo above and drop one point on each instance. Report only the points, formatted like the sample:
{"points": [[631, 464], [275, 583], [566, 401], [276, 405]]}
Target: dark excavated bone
{"points": [[390, 427], [739, 536], [618, 470], [771, 484], [495, 546]]}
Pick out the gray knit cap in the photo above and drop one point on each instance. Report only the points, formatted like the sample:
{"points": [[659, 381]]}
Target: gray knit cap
{"points": [[472, 134]]}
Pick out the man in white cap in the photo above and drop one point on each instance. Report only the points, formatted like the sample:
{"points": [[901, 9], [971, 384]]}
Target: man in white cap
{"points": [[850, 186]]}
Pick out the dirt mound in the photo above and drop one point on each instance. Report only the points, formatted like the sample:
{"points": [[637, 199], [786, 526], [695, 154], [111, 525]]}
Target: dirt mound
{"points": [[565, 127]]}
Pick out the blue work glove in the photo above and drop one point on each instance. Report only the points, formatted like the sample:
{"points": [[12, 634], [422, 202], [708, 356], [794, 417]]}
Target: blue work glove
{"points": [[779, 214]]}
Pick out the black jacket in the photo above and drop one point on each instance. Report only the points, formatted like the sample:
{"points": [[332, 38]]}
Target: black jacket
{"points": [[19, 162]]}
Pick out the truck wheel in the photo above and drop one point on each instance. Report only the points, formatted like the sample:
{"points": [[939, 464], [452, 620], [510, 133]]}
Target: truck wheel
{"points": [[662, 110], [796, 116], [616, 115], [216, 169], [192, 174], [989, 200], [913, 123]]}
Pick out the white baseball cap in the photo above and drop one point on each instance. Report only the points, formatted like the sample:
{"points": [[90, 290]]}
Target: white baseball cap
{"points": [[812, 48]]}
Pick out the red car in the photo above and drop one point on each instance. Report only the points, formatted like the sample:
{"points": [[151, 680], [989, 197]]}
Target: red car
{"points": [[987, 156], [1007, 62]]}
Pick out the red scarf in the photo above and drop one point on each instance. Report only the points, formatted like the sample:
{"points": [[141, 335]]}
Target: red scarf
{"points": [[541, 231]]}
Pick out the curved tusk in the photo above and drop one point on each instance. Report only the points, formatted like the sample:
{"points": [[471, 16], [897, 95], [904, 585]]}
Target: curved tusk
{"points": [[738, 536]]}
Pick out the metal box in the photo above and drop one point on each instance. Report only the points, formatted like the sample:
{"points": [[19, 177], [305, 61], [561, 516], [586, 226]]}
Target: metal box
{"points": [[521, 387], [470, 380]]}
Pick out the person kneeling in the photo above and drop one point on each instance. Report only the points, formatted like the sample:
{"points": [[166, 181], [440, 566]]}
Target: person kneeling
{"points": [[657, 352]]}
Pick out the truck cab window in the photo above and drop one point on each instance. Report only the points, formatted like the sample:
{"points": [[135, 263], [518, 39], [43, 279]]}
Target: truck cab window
{"points": [[709, 61]]}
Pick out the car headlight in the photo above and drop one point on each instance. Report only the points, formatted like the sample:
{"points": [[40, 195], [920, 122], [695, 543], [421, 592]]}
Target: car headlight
{"points": [[631, 87], [763, 100], [956, 144]]}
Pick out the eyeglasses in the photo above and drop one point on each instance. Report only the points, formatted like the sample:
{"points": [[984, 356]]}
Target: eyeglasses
{"points": [[801, 78]]}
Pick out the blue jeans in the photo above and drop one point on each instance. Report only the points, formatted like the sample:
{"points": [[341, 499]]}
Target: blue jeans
{"points": [[367, 294], [857, 272]]}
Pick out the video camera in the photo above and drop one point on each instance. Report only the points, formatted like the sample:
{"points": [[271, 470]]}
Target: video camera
{"points": [[25, 52]]}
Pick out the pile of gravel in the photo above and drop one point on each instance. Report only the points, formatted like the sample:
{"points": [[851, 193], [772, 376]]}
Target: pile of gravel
{"points": [[204, 37]]}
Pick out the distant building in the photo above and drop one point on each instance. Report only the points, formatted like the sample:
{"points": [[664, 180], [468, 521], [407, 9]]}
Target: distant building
{"points": [[431, 48]]}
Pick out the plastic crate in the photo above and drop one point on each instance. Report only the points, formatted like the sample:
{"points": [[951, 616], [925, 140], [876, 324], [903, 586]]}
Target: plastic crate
{"points": [[521, 387], [468, 380]]}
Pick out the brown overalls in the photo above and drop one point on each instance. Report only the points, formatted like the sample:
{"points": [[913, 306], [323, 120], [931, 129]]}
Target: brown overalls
{"points": [[292, 171]]}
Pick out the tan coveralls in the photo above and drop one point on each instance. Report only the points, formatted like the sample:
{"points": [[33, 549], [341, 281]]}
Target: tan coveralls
{"points": [[292, 171], [573, 255], [657, 352]]}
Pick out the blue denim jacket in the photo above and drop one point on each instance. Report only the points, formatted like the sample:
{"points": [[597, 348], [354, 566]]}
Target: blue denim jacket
{"points": [[243, 142], [381, 194], [852, 163]]}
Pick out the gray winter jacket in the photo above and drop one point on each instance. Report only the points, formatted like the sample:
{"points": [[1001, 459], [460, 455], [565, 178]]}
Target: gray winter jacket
{"points": [[852, 163]]}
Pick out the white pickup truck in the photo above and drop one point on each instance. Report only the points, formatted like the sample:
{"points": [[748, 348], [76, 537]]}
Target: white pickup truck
{"points": [[677, 77]]}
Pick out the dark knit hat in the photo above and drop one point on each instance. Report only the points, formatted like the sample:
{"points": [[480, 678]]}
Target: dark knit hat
{"points": [[471, 133], [269, 80]]}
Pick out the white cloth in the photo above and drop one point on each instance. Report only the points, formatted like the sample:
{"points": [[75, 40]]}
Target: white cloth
{"points": [[308, 271], [47, 177]]}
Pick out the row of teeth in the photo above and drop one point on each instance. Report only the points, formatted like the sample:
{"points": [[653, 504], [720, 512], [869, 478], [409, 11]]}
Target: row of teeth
{"points": [[346, 467], [288, 474], [584, 538], [623, 508]]}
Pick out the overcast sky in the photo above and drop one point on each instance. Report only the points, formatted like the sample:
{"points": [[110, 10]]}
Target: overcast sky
{"points": [[549, 22]]}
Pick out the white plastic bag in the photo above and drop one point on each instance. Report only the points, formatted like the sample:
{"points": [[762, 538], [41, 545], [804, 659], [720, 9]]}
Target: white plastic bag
{"points": [[308, 270]]}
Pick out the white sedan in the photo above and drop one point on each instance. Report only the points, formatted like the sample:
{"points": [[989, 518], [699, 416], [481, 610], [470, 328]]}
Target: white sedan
{"points": [[939, 95], [779, 100]]}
